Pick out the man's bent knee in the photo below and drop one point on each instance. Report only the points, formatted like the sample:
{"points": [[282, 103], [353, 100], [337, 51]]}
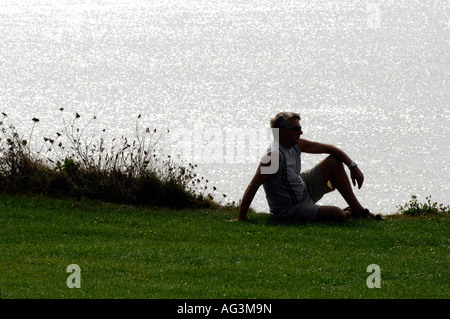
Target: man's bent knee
{"points": [[329, 166], [333, 161]]}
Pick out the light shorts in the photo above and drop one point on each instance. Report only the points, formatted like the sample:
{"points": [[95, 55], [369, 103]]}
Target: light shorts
{"points": [[315, 188]]}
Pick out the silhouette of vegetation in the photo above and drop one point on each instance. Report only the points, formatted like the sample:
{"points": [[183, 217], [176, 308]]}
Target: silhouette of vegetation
{"points": [[414, 208], [126, 172]]}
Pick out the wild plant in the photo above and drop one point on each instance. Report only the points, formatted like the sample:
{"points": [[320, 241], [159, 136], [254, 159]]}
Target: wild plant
{"points": [[125, 171]]}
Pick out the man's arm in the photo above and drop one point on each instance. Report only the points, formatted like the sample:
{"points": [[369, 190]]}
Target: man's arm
{"points": [[258, 179], [321, 148]]}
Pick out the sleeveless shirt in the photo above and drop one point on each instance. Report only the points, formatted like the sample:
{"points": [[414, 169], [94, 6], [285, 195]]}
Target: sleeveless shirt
{"points": [[285, 188]]}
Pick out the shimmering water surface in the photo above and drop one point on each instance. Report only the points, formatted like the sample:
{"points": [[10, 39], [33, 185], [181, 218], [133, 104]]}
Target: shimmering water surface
{"points": [[371, 77]]}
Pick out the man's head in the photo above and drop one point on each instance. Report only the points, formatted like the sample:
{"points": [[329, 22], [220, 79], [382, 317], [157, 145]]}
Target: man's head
{"points": [[289, 129]]}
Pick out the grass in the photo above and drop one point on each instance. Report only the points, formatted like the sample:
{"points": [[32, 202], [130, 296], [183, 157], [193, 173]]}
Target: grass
{"points": [[54, 212], [138, 252]]}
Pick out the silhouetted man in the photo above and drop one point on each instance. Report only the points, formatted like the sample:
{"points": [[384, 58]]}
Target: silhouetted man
{"points": [[291, 193]]}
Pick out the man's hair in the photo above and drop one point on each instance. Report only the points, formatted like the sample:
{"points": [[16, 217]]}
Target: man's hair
{"points": [[281, 119]]}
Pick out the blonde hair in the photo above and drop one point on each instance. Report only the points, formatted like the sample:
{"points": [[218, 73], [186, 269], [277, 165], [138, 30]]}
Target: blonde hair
{"points": [[280, 120]]}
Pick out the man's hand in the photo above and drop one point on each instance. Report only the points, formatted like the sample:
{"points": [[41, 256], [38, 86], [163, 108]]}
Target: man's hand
{"points": [[357, 176]]}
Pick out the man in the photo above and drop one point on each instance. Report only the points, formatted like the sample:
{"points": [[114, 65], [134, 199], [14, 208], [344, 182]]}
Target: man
{"points": [[291, 194]]}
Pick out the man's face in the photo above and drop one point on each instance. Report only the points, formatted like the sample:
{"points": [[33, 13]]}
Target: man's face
{"points": [[291, 135]]}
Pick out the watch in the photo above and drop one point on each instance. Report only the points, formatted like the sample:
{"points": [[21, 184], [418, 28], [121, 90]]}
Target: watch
{"points": [[351, 165]]}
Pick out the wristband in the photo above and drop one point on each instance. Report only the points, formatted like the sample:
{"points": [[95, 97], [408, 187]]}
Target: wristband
{"points": [[351, 165]]}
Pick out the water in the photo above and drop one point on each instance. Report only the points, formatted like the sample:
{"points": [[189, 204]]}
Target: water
{"points": [[370, 77]]}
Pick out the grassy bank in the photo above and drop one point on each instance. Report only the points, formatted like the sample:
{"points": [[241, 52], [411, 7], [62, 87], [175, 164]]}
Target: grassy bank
{"points": [[134, 252]]}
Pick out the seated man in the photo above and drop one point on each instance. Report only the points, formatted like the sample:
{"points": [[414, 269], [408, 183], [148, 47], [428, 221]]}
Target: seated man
{"points": [[292, 194]]}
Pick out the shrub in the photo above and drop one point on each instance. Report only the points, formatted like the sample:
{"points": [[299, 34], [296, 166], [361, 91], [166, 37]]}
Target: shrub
{"points": [[414, 208], [129, 172]]}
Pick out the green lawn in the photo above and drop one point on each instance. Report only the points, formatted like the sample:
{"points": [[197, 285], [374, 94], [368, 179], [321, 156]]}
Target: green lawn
{"points": [[133, 252]]}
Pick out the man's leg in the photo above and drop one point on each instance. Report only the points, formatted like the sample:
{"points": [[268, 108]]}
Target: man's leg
{"points": [[330, 213], [334, 170]]}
